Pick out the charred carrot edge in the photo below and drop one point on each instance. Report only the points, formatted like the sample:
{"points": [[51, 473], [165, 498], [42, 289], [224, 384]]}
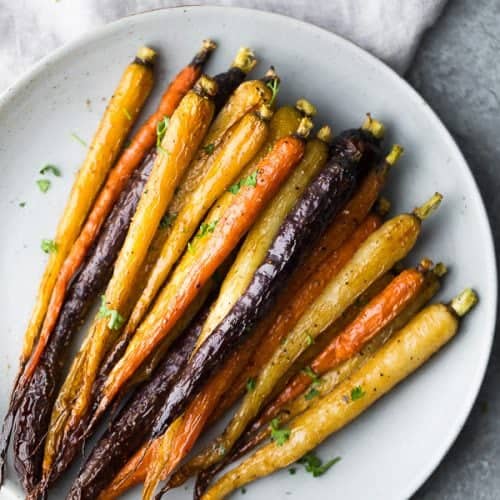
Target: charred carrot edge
{"points": [[204, 260], [381, 310], [131, 157], [129, 97], [275, 325]]}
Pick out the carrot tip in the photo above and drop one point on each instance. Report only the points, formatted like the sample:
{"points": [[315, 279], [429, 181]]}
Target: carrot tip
{"points": [[464, 302], [429, 207], [325, 134], [440, 269], [382, 206], [306, 108], [146, 54], [394, 154], [304, 127], [425, 265], [245, 60], [265, 112], [208, 45], [205, 86], [271, 75], [373, 126]]}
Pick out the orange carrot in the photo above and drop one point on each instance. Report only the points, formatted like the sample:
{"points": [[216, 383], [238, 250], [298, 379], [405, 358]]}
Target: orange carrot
{"points": [[133, 473], [130, 158], [380, 311], [205, 255]]}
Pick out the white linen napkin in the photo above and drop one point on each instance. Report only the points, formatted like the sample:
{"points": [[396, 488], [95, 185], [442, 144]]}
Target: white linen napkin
{"points": [[390, 29]]}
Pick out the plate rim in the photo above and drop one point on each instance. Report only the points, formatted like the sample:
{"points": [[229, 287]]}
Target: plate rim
{"points": [[24, 80]]}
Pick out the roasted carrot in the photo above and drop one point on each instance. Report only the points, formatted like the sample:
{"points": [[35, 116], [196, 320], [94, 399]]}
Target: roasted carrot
{"points": [[123, 109], [377, 254], [404, 353], [381, 310], [281, 317], [130, 158], [205, 254], [186, 129]]}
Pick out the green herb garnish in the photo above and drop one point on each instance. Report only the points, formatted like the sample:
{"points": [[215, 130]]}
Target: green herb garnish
{"points": [[311, 374], [43, 185], [251, 382], [357, 393], [309, 340], [279, 435], [292, 471], [243, 490], [206, 227], [167, 220], [315, 465], [274, 85], [312, 394], [49, 246], [22, 204], [250, 180], [78, 139], [190, 247], [116, 320], [161, 129], [52, 169], [209, 148]]}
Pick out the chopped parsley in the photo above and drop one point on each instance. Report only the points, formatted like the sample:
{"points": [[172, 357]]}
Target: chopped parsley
{"points": [[22, 204], [315, 466], [190, 247], [78, 139], [116, 320], [274, 85], [250, 180], [206, 227], [161, 129], [292, 471], [311, 374], [43, 185], [127, 114], [49, 246], [209, 148], [312, 394], [309, 340], [251, 382], [50, 169], [167, 220], [279, 435], [243, 490], [357, 393]]}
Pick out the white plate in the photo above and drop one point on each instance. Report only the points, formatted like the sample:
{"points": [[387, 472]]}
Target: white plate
{"points": [[391, 449]]}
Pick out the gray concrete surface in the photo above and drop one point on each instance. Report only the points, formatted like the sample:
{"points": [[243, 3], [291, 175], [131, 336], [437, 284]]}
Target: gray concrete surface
{"points": [[457, 71]]}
